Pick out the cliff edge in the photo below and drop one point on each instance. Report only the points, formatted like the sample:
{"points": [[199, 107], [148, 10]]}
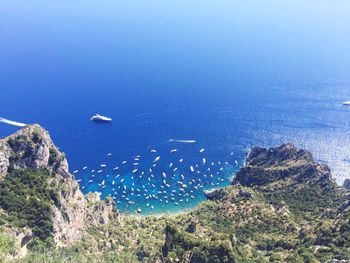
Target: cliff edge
{"points": [[30, 155], [282, 206]]}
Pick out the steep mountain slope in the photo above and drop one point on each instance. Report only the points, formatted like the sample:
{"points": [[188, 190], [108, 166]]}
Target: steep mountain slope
{"points": [[38, 192], [282, 206]]}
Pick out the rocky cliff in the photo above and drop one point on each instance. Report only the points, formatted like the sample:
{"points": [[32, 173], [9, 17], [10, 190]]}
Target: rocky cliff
{"points": [[291, 175], [282, 206], [70, 211], [264, 166]]}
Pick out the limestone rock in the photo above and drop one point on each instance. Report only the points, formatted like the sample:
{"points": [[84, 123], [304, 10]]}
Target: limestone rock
{"points": [[21, 236], [32, 148], [192, 227], [344, 207], [215, 194], [266, 166], [234, 240], [101, 212], [244, 194], [169, 240], [347, 184]]}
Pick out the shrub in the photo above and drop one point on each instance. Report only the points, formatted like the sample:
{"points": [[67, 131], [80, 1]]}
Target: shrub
{"points": [[26, 196]]}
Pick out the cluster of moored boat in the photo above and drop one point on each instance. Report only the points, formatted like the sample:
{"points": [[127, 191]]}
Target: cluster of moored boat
{"points": [[153, 180]]}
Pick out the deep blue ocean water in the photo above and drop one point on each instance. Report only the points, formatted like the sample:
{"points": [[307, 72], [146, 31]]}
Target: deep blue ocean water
{"points": [[227, 74]]}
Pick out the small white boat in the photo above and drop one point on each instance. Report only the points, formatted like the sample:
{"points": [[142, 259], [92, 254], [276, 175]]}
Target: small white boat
{"points": [[100, 118], [347, 103]]}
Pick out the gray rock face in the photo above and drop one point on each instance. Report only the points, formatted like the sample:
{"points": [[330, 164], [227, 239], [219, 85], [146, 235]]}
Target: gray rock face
{"points": [[244, 194], [234, 240], [101, 212], [169, 241], [215, 194], [278, 156], [344, 207], [4, 160], [192, 227], [347, 184], [265, 166], [33, 148], [21, 237]]}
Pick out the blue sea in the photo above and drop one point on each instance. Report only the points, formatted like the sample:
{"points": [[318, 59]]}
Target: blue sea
{"points": [[194, 84]]}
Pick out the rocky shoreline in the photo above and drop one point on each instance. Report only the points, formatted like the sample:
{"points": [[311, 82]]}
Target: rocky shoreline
{"points": [[282, 206]]}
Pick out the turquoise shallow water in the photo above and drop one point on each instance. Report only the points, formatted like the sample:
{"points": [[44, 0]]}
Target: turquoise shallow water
{"points": [[167, 178], [228, 74]]}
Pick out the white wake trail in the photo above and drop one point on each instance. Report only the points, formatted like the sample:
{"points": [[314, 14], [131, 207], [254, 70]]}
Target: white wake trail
{"points": [[15, 123], [182, 141]]}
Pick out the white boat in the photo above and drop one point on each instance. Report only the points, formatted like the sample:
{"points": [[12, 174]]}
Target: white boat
{"points": [[347, 103], [101, 118]]}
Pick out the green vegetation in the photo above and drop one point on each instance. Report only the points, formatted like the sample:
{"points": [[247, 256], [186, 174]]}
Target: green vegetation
{"points": [[283, 207], [185, 245], [232, 229], [311, 199], [26, 197], [7, 246], [270, 225]]}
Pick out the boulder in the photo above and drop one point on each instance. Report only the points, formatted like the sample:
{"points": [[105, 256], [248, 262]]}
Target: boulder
{"points": [[347, 184], [192, 227], [214, 194]]}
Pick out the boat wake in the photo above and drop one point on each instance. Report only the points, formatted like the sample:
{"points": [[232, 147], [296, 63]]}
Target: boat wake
{"points": [[14, 123], [182, 141]]}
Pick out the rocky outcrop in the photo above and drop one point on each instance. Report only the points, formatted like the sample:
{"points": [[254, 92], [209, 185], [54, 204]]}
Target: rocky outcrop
{"points": [[282, 207], [31, 148], [265, 166], [4, 160], [290, 176], [347, 184], [192, 227], [169, 240], [220, 194], [72, 212], [244, 194], [101, 212], [69, 216], [278, 156], [344, 207], [21, 238], [215, 194]]}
